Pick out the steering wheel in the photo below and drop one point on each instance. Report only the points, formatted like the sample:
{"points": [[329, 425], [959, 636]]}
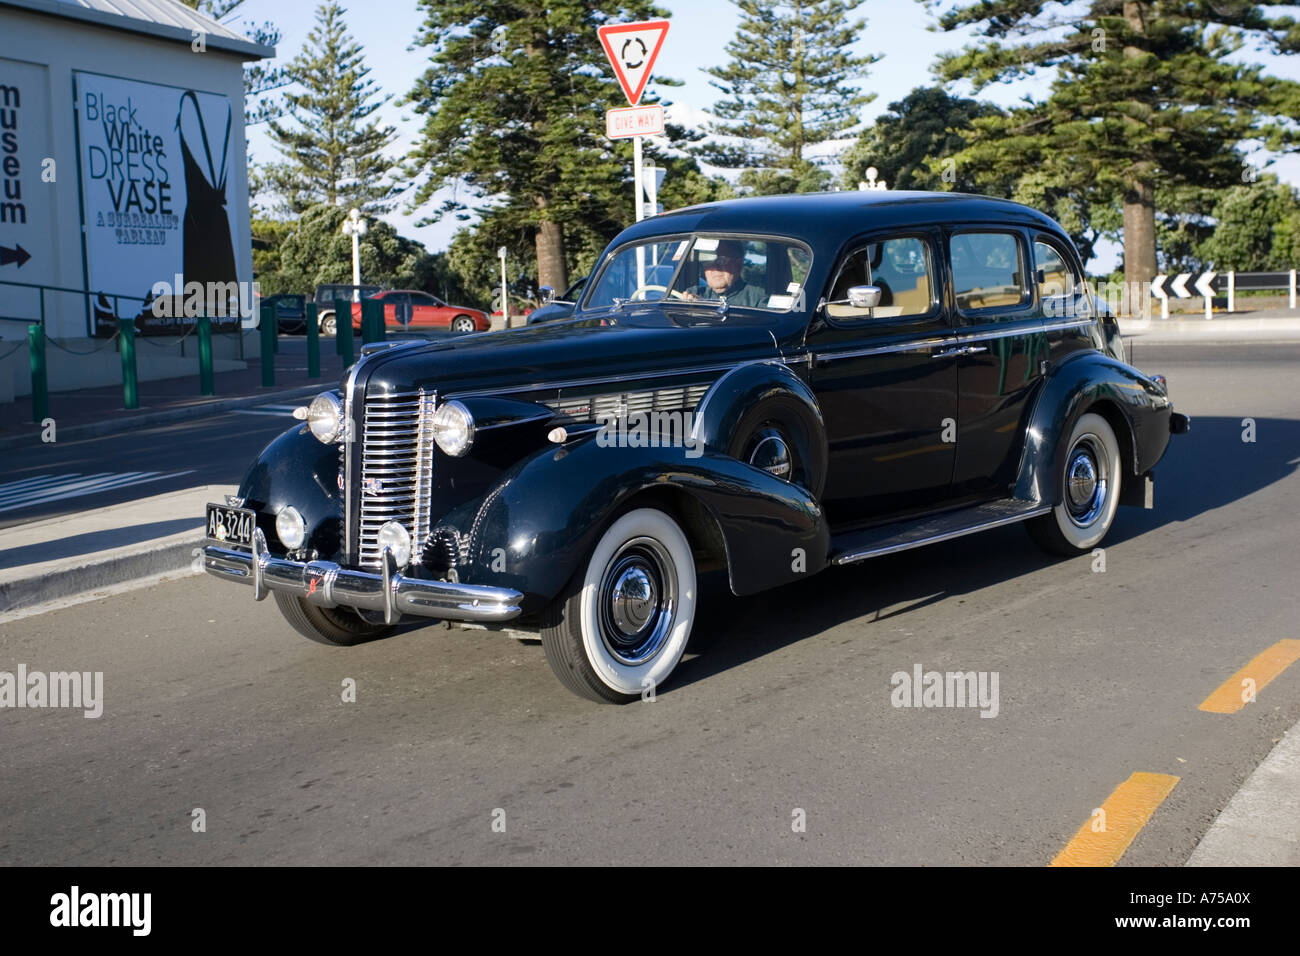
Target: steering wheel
{"points": [[639, 294]]}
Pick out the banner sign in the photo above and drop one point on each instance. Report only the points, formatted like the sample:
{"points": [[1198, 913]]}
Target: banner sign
{"points": [[154, 164]]}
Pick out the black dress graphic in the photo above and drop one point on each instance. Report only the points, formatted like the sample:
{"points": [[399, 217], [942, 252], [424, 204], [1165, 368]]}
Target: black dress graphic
{"points": [[208, 252]]}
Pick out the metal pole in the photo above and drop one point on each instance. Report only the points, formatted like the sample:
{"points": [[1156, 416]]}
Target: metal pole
{"points": [[637, 189], [356, 258], [268, 345], [126, 344], [343, 330], [313, 342], [1232, 291], [505, 295], [1293, 288], [40, 382], [205, 356]]}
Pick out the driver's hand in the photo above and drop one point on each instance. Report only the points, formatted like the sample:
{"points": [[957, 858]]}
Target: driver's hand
{"points": [[690, 297]]}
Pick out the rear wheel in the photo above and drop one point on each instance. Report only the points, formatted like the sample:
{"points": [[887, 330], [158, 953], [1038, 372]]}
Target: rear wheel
{"points": [[328, 326], [622, 625], [1090, 486], [462, 323], [327, 625]]}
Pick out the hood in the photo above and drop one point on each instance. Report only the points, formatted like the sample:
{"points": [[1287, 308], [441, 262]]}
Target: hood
{"points": [[617, 345]]}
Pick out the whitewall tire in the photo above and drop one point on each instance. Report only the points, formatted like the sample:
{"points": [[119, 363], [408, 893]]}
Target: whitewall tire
{"points": [[621, 627], [1090, 488]]}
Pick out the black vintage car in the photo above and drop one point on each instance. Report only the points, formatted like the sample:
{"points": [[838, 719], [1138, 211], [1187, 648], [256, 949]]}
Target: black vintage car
{"points": [[762, 386]]}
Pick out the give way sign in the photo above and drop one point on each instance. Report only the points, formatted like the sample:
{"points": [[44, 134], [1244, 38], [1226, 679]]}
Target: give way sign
{"points": [[632, 48]]}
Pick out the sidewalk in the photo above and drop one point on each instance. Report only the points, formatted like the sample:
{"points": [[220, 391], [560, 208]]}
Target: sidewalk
{"points": [[78, 554], [88, 412]]}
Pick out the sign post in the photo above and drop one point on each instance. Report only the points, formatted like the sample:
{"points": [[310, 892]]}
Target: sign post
{"points": [[505, 292], [632, 49]]}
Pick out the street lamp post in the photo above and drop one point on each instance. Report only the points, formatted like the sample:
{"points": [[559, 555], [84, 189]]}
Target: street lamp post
{"points": [[355, 227]]}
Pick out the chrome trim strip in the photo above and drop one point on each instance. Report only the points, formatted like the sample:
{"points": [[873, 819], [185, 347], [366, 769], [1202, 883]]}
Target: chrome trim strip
{"points": [[954, 338], [854, 556], [626, 377], [328, 585]]}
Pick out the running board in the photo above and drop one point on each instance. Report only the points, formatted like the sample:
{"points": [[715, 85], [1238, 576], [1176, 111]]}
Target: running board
{"points": [[900, 536]]}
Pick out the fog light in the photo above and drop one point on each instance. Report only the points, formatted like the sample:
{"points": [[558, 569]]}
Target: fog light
{"points": [[290, 528], [396, 539]]}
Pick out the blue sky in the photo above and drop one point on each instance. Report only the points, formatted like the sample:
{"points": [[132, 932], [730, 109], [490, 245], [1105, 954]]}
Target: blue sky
{"points": [[700, 30]]}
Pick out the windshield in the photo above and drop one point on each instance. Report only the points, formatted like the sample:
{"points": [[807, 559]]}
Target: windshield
{"points": [[743, 272]]}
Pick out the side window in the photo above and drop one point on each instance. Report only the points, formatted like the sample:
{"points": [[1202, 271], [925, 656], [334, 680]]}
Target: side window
{"points": [[1059, 291], [987, 270], [900, 267]]}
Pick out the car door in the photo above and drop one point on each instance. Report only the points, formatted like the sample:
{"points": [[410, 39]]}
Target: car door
{"points": [[425, 309], [1002, 343], [885, 381]]}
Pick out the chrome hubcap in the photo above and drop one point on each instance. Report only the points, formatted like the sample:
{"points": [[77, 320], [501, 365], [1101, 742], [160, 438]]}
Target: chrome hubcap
{"points": [[637, 601], [772, 454], [1087, 479]]}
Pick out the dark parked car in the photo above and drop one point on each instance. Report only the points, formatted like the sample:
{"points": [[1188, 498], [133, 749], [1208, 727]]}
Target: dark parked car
{"points": [[413, 310], [765, 386], [290, 312], [325, 296], [559, 308]]}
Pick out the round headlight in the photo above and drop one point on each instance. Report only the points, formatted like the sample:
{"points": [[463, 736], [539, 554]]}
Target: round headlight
{"points": [[396, 539], [325, 417], [290, 528], [453, 428]]}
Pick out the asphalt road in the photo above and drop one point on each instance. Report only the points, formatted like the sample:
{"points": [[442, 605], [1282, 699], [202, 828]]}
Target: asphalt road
{"points": [[783, 704]]}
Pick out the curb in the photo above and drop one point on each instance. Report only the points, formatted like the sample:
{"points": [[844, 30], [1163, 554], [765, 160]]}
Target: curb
{"points": [[111, 426], [69, 582], [1260, 826]]}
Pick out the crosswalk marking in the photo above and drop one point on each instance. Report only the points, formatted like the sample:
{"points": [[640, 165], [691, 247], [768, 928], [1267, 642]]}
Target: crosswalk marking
{"points": [[279, 411], [46, 488]]}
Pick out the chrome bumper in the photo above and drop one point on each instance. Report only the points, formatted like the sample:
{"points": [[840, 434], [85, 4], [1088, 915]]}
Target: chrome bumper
{"points": [[329, 585]]}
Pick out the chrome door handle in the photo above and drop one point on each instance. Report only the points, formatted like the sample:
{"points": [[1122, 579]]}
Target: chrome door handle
{"points": [[960, 350]]}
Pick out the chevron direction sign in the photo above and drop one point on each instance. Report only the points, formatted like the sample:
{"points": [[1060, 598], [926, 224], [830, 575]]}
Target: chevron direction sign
{"points": [[1204, 286]]}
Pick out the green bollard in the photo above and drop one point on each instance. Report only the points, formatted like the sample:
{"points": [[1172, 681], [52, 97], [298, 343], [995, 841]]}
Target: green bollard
{"points": [[267, 323], [40, 380], [372, 320], [206, 386], [126, 345], [313, 342], [343, 330]]}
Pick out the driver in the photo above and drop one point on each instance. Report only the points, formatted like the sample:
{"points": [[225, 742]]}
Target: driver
{"points": [[723, 279]]}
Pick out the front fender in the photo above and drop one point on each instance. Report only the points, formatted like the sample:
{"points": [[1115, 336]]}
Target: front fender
{"points": [[540, 523], [297, 469], [1072, 388]]}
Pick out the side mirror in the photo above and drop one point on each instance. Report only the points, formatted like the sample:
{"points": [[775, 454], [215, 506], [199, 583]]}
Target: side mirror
{"points": [[864, 296], [546, 293]]}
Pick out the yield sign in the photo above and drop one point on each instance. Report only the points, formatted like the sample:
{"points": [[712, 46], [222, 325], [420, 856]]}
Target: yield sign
{"points": [[632, 48]]}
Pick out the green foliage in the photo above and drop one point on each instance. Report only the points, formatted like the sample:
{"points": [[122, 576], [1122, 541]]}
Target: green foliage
{"points": [[268, 236], [787, 88], [259, 77], [1149, 105], [926, 126], [334, 148], [1257, 230], [316, 251]]}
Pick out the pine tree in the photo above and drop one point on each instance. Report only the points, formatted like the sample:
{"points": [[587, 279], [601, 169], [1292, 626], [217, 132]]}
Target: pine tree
{"points": [[334, 148], [514, 99], [260, 78], [788, 88], [1148, 101]]}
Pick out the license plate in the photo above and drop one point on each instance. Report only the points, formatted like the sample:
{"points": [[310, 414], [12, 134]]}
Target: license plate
{"points": [[231, 525]]}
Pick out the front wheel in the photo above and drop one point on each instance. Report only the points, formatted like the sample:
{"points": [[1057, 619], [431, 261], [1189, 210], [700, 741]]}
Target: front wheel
{"points": [[621, 627], [328, 326], [327, 625], [1090, 486], [462, 323]]}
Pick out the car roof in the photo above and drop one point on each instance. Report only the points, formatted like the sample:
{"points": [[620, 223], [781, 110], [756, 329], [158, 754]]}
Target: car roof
{"points": [[819, 217]]}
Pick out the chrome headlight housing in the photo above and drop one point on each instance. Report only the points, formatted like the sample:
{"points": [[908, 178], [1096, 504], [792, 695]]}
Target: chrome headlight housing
{"points": [[453, 428], [325, 417], [290, 528]]}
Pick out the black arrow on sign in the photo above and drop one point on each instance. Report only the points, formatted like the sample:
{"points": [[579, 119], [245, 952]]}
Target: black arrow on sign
{"points": [[17, 254]]}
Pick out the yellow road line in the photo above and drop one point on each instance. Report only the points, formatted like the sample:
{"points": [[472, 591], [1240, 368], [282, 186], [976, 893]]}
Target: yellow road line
{"points": [[1125, 812], [1228, 698]]}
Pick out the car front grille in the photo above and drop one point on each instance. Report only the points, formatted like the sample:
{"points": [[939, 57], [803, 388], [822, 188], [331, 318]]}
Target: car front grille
{"points": [[396, 468]]}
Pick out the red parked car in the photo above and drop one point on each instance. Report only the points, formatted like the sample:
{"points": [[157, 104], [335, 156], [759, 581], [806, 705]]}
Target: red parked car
{"points": [[410, 309]]}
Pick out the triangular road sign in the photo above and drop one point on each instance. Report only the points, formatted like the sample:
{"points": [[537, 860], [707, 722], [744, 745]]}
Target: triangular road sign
{"points": [[632, 48]]}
